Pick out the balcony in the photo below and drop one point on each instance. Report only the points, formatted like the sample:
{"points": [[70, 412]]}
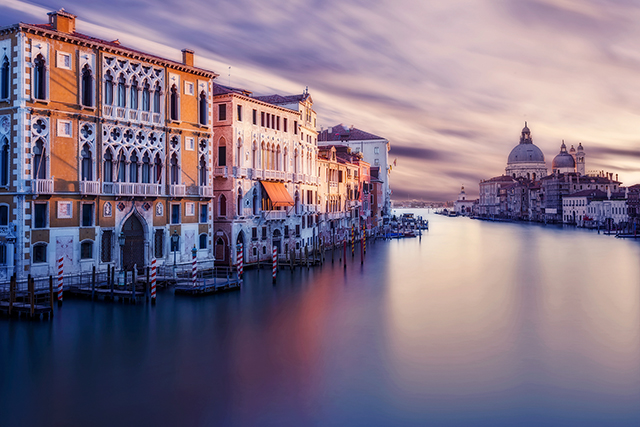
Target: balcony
{"points": [[205, 191], [177, 190], [239, 172], [121, 113], [289, 176], [220, 172], [298, 177], [274, 215], [259, 174], [42, 186], [133, 115], [90, 187], [132, 189]]}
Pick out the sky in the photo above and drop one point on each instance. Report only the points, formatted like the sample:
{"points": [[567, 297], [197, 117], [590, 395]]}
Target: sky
{"points": [[448, 83]]}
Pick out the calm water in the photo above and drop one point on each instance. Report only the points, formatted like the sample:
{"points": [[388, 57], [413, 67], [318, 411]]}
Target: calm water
{"points": [[474, 324]]}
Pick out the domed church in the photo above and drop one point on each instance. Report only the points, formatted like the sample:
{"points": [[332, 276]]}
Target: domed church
{"points": [[526, 160]]}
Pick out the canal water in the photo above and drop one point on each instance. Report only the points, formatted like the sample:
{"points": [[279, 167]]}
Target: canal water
{"points": [[475, 323]]}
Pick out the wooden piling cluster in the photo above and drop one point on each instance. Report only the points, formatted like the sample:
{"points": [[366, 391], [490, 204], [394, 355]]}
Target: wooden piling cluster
{"points": [[30, 302]]}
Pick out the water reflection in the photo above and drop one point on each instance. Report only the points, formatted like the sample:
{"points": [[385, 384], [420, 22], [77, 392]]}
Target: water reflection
{"points": [[474, 323]]}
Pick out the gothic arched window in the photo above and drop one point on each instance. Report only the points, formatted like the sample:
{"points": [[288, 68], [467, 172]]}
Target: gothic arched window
{"points": [[158, 170], [222, 205], [133, 167], [39, 160], [156, 98], [203, 171], [145, 97], [87, 86], [108, 167], [133, 104], [174, 170], [4, 78], [122, 92], [87, 164], [174, 103], [4, 162], [239, 203], [146, 168], [122, 165], [203, 108], [108, 89], [39, 78]]}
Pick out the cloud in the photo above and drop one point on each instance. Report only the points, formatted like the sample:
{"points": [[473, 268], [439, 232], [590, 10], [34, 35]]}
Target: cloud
{"points": [[448, 83]]}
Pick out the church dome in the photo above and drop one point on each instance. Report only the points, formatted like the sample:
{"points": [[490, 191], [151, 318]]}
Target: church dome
{"points": [[563, 160], [525, 153]]}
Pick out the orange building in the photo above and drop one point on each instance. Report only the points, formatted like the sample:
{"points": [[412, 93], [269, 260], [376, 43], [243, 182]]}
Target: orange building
{"points": [[99, 144]]}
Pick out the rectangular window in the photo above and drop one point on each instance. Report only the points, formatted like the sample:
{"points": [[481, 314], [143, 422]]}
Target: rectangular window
{"points": [[339, 176], [64, 128], [376, 162], [39, 253], [189, 143], [295, 127], [175, 214], [262, 118], [297, 230], [376, 150], [189, 209], [268, 120], [239, 113], [254, 233], [264, 233], [278, 123], [286, 231], [284, 124], [39, 215], [222, 112], [87, 214], [86, 250], [188, 88], [303, 222], [222, 156], [255, 117], [107, 242], [204, 213], [63, 60], [158, 243]]}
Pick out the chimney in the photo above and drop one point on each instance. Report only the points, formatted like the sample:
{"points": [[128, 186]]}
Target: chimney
{"points": [[62, 21], [616, 177], [187, 57]]}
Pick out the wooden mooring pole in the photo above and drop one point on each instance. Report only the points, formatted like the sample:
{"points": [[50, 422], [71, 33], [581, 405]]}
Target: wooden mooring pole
{"points": [[51, 293], [31, 290], [93, 283], [12, 292]]}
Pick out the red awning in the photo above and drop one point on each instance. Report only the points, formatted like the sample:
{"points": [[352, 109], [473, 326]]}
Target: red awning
{"points": [[278, 194]]}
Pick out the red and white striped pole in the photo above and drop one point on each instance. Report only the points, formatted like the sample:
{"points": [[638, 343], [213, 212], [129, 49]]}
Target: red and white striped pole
{"points": [[60, 280], [364, 237], [194, 266], [240, 260], [275, 263], [153, 281]]}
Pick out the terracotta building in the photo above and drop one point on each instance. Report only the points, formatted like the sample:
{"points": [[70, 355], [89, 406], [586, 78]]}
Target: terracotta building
{"points": [[100, 141]]}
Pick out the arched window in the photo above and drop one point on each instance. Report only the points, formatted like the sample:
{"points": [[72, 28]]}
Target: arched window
{"points": [[87, 86], [157, 170], [122, 92], [134, 95], [203, 241], [39, 160], [4, 78], [156, 98], [285, 160], [174, 103], [297, 203], [122, 165], [87, 164], [255, 155], [86, 249], [39, 253], [146, 168], [239, 203], [108, 167], [222, 205], [203, 172], [255, 202], [203, 108], [133, 167], [174, 170], [39, 78], [145, 97], [4, 162], [108, 89]]}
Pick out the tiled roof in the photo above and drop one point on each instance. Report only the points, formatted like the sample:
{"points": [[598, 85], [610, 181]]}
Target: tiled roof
{"points": [[279, 99], [343, 133], [219, 89]]}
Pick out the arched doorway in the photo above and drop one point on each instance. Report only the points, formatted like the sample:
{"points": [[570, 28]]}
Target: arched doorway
{"points": [[221, 249], [133, 251], [277, 238]]}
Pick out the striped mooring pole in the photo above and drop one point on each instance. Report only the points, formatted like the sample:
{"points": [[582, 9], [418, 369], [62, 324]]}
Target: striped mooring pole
{"points": [[60, 280], [240, 260], [353, 242], [364, 237], [194, 266], [275, 264], [153, 281]]}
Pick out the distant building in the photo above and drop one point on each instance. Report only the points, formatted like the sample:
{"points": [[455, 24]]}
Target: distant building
{"points": [[374, 149], [463, 205], [526, 160]]}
